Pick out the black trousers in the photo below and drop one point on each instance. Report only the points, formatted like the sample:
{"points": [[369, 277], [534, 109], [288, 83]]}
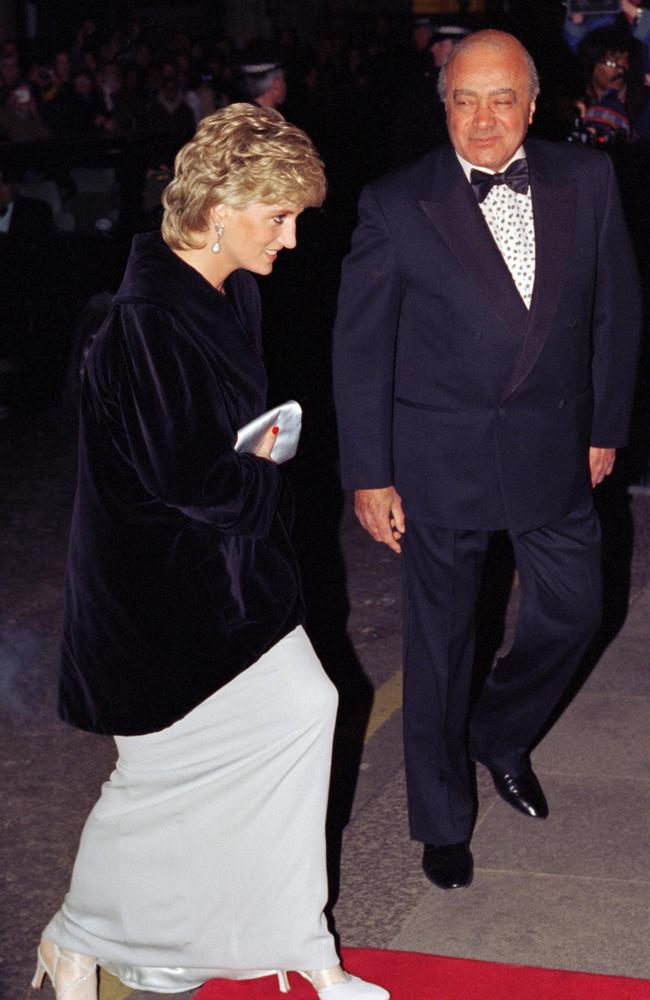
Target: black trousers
{"points": [[559, 612]]}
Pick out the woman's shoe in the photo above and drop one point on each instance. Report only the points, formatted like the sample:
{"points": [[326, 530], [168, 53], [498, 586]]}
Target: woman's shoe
{"points": [[336, 984], [73, 976]]}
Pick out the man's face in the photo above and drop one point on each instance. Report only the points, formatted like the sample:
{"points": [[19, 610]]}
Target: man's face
{"points": [[440, 50], [279, 90], [611, 72], [488, 104]]}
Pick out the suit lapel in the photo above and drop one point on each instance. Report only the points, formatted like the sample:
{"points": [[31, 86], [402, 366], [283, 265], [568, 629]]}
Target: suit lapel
{"points": [[554, 211], [458, 219]]}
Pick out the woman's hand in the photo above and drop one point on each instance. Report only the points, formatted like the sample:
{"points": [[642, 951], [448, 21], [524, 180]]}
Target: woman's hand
{"points": [[265, 447]]}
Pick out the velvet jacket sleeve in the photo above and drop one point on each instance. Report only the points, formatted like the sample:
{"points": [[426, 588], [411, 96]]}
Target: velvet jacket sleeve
{"points": [[178, 428]]}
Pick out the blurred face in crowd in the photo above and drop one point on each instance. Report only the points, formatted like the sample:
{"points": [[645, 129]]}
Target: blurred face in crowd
{"points": [[111, 77], [9, 71], [488, 102], [62, 65], [611, 72], [83, 84], [21, 102], [440, 50], [278, 90], [422, 36]]}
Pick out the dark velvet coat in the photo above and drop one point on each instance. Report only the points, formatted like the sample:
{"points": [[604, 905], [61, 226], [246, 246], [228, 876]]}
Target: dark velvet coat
{"points": [[180, 571], [481, 412]]}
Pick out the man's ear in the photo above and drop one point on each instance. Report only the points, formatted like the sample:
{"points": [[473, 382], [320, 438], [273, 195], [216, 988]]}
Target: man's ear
{"points": [[531, 111]]}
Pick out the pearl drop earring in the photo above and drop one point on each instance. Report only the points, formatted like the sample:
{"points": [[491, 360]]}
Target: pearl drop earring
{"points": [[219, 230]]}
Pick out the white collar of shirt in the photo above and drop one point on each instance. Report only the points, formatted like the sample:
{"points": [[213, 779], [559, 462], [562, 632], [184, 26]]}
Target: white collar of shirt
{"points": [[5, 220], [468, 167]]}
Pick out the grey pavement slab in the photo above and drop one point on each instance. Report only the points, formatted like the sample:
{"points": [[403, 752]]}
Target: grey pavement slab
{"points": [[624, 668], [599, 734], [637, 623], [535, 919], [597, 828]]}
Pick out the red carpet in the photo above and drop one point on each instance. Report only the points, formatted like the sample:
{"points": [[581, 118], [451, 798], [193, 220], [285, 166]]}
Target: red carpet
{"points": [[410, 976]]}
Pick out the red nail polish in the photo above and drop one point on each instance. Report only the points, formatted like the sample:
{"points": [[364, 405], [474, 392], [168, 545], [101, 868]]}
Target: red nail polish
{"points": [[275, 430]]}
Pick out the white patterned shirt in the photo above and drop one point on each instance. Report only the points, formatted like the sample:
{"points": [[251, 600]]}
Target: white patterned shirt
{"points": [[510, 219]]}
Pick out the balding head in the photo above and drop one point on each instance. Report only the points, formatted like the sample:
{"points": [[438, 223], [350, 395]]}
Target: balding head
{"points": [[496, 40]]}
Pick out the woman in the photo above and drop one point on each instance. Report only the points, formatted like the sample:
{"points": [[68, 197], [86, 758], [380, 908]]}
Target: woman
{"points": [[204, 856]]}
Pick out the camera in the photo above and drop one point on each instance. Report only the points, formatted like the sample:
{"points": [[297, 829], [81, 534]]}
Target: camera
{"points": [[598, 137]]}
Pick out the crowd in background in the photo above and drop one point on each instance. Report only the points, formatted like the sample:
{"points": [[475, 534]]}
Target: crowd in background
{"points": [[365, 91], [88, 131]]}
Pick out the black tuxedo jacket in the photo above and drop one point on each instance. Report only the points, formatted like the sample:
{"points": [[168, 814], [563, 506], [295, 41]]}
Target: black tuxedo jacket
{"points": [[481, 412]]}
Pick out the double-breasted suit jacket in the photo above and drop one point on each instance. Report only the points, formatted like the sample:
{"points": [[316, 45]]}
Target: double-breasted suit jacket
{"points": [[478, 410]]}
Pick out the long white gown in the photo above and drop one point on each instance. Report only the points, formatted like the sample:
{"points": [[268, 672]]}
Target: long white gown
{"points": [[205, 853]]}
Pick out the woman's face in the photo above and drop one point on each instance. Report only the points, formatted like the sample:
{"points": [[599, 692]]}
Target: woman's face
{"points": [[253, 236]]}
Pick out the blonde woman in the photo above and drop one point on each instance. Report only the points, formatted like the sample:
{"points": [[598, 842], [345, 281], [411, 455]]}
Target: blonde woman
{"points": [[204, 856]]}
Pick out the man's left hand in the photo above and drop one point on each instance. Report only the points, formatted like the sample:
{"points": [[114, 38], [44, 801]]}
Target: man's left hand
{"points": [[601, 463]]}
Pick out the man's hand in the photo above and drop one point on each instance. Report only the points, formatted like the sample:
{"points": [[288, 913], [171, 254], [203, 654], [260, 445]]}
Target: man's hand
{"points": [[380, 513], [601, 463]]}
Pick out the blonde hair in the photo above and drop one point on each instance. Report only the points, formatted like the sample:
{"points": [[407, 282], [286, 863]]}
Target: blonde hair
{"points": [[240, 155]]}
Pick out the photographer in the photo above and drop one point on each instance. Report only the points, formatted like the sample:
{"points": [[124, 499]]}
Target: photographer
{"points": [[613, 106], [633, 18]]}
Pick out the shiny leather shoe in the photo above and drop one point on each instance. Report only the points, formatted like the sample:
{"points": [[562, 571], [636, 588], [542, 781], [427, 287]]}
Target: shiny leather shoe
{"points": [[449, 866], [522, 791]]}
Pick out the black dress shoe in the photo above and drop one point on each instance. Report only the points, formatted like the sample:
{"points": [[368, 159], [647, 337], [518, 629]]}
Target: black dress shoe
{"points": [[522, 791], [449, 866]]}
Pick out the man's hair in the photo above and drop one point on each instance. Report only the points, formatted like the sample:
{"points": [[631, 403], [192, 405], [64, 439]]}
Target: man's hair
{"points": [[240, 155], [602, 42], [497, 40]]}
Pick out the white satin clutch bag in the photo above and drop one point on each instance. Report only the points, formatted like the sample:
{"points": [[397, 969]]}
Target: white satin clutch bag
{"points": [[288, 417]]}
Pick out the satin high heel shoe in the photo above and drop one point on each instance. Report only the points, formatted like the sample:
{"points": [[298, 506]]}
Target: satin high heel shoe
{"points": [[73, 976], [336, 984]]}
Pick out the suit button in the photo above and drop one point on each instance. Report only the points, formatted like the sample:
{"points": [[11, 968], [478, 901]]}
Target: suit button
{"points": [[502, 411], [573, 323], [478, 336], [561, 404]]}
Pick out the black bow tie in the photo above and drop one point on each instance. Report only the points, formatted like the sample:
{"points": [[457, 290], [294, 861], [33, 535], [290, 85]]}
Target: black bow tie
{"points": [[517, 177]]}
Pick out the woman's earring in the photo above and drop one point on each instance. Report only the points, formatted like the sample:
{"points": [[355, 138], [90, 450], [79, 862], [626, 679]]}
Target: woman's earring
{"points": [[216, 246]]}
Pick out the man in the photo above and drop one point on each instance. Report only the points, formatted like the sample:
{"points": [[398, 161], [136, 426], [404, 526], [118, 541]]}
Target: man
{"points": [[484, 360], [633, 18], [417, 122], [443, 40], [264, 82], [167, 118], [613, 105]]}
